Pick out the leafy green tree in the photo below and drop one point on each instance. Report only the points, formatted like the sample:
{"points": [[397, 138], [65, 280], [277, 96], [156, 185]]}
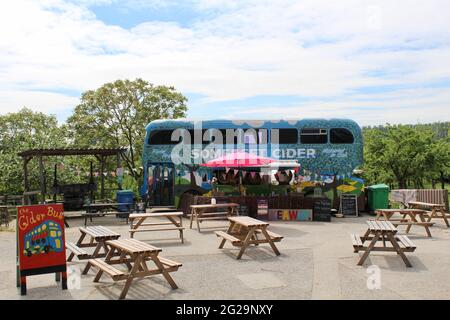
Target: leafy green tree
{"points": [[21, 131], [117, 113], [407, 155]]}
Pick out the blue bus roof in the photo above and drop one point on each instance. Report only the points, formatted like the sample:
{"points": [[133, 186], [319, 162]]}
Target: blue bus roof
{"points": [[235, 124]]}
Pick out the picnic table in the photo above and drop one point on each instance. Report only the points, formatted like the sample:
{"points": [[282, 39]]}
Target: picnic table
{"points": [[175, 223], [412, 220], [437, 210], [134, 254], [199, 214], [102, 209], [97, 237], [386, 232], [243, 231]]}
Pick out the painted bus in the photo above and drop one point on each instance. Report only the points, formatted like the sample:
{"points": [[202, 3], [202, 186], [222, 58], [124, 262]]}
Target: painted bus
{"points": [[45, 238], [329, 152]]}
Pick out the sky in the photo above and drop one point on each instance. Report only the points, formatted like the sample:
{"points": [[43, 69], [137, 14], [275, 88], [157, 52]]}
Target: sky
{"points": [[376, 62]]}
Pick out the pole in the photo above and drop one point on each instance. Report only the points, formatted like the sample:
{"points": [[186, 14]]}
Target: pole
{"points": [[42, 178], [102, 179]]}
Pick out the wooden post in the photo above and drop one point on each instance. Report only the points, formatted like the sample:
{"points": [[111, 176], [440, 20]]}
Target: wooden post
{"points": [[26, 185], [55, 182], [42, 178], [119, 165], [102, 170], [91, 181]]}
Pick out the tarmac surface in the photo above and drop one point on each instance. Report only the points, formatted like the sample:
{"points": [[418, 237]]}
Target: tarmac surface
{"points": [[316, 262]]}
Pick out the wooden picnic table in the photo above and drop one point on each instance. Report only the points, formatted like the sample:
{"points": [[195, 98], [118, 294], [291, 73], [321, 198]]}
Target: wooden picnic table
{"points": [[412, 220], [98, 235], [134, 254], [437, 210], [386, 232], [243, 231], [102, 209], [175, 223], [198, 212]]}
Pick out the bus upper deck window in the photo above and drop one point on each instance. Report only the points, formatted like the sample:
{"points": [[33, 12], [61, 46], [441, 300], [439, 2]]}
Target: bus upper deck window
{"points": [[285, 136], [161, 137], [313, 136], [341, 135]]}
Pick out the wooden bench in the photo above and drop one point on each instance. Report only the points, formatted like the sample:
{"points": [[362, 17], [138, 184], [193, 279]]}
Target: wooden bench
{"points": [[274, 236], [243, 232], [139, 254], [234, 241], [140, 226], [170, 263], [76, 251], [406, 242], [114, 273], [385, 232], [356, 241], [199, 212]]}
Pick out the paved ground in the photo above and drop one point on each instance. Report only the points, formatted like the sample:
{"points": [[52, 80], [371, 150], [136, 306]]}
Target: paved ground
{"points": [[317, 262]]}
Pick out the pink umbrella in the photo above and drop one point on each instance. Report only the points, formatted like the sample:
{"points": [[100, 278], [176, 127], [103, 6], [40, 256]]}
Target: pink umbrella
{"points": [[238, 159]]}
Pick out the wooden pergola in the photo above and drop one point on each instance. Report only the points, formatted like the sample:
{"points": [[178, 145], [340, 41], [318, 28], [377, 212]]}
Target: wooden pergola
{"points": [[100, 154]]}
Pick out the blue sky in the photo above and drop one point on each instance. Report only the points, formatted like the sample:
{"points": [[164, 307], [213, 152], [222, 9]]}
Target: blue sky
{"points": [[372, 61]]}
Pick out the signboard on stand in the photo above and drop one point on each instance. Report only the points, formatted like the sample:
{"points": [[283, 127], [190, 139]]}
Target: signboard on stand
{"points": [[41, 243], [322, 210], [349, 205]]}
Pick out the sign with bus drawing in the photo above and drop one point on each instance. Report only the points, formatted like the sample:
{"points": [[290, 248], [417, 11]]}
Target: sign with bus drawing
{"points": [[40, 240]]}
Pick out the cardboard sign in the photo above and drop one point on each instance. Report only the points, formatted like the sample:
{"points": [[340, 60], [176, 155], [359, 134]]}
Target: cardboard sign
{"points": [[290, 214], [40, 241]]}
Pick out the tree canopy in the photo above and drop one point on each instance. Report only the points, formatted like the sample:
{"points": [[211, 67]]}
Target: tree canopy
{"points": [[117, 113]]}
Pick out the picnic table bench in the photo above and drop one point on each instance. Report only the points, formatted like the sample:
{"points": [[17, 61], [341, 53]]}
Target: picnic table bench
{"points": [[386, 232], [243, 232], [199, 214], [134, 254], [437, 210], [103, 209], [412, 214], [137, 223], [97, 235]]}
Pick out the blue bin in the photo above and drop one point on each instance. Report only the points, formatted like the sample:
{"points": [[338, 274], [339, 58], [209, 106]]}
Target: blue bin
{"points": [[125, 197]]}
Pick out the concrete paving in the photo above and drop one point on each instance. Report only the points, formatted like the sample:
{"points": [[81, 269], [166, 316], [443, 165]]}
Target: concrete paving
{"points": [[317, 262]]}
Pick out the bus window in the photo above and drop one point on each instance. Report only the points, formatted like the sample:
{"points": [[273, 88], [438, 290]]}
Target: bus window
{"points": [[288, 136], [313, 136], [341, 135], [160, 137]]}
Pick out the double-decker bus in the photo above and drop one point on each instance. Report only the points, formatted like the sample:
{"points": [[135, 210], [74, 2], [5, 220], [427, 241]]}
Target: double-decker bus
{"points": [[328, 150], [45, 238]]}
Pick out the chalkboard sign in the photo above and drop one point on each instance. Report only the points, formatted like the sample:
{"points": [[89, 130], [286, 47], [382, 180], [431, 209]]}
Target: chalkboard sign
{"points": [[243, 210], [322, 210], [349, 205]]}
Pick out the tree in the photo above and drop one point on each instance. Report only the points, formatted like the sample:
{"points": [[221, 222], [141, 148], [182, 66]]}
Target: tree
{"points": [[117, 113], [20, 131], [401, 151]]}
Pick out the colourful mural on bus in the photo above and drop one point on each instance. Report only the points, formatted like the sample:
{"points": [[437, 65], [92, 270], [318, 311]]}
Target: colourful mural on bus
{"points": [[328, 150]]}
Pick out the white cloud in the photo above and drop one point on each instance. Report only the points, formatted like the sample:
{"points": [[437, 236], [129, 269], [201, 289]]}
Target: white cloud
{"points": [[318, 49]]}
